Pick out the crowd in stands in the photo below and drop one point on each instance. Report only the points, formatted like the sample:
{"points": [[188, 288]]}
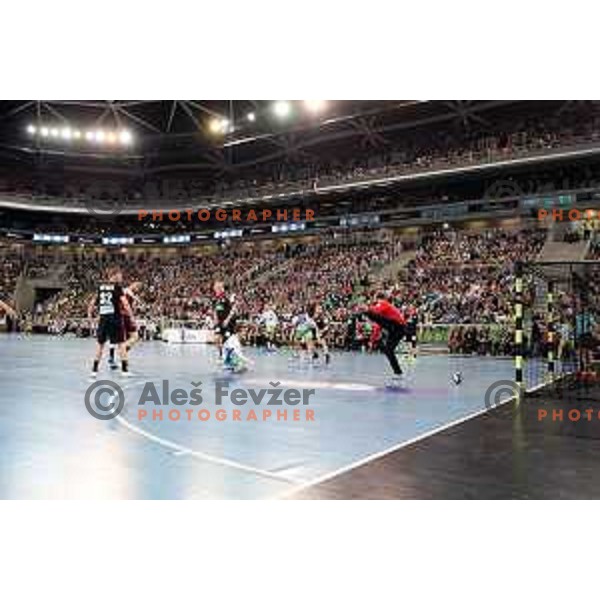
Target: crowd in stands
{"points": [[179, 287], [11, 268], [491, 247], [462, 279], [493, 340], [421, 149], [467, 277], [416, 150]]}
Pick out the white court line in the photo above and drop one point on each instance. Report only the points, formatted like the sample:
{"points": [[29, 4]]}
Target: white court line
{"points": [[183, 451], [318, 384], [301, 486], [323, 478], [371, 457]]}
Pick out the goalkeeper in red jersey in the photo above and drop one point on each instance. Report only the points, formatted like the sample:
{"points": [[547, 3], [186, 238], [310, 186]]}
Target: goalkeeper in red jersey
{"points": [[393, 325]]}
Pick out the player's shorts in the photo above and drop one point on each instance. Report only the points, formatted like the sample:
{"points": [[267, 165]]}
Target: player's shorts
{"points": [[225, 330], [270, 329], [387, 325], [304, 333], [321, 329], [410, 330], [111, 329], [129, 325]]}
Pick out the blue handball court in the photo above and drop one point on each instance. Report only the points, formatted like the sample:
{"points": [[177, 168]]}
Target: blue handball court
{"points": [[355, 438]]}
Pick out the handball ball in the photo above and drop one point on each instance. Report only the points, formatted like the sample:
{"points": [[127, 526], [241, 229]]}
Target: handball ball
{"points": [[457, 378]]}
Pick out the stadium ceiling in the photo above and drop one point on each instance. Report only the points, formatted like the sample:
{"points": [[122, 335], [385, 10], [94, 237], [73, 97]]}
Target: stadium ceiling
{"points": [[185, 134]]}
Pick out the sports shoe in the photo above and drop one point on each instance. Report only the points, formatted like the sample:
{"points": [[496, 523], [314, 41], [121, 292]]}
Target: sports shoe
{"points": [[395, 381]]}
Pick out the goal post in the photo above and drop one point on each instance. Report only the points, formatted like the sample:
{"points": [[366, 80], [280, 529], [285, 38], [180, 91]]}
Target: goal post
{"points": [[557, 321]]}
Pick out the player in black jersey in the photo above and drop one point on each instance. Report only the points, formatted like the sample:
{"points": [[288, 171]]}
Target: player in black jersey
{"points": [[320, 330], [225, 314], [112, 305], [129, 324]]}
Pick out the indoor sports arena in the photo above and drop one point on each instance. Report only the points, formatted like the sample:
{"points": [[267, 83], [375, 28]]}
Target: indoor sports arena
{"points": [[256, 299]]}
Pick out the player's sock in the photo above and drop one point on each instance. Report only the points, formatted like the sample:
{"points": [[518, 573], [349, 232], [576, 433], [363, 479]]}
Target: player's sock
{"points": [[125, 366], [95, 367]]}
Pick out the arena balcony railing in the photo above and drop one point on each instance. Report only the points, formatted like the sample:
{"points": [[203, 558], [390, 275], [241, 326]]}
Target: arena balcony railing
{"points": [[471, 162], [524, 206], [428, 166]]}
